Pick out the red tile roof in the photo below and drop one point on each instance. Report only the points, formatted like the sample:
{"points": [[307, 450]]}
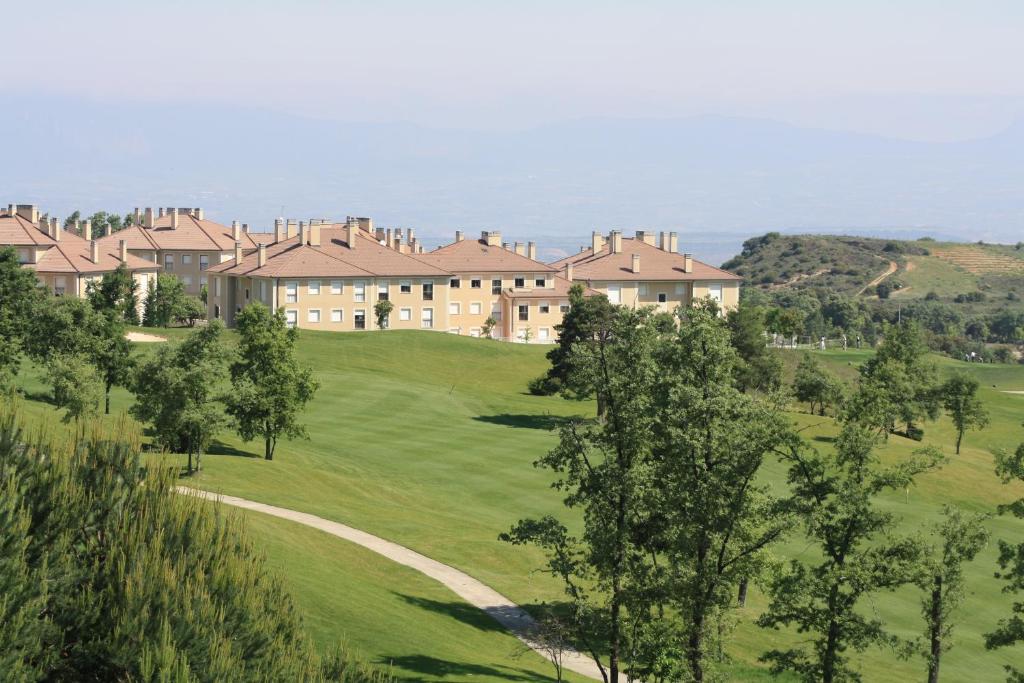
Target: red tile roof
{"points": [[475, 256], [655, 264], [191, 233], [69, 254]]}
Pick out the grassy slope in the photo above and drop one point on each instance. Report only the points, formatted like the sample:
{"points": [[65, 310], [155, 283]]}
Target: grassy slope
{"points": [[427, 439]]}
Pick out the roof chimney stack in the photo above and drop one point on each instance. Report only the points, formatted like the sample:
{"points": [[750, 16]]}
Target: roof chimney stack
{"points": [[673, 242], [302, 232], [314, 234], [292, 228], [198, 213], [261, 255], [238, 253], [123, 250], [236, 230], [278, 229], [596, 241], [636, 263], [137, 216], [645, 236], [616, 241], [55, 229], [147, 218], [245, 228], [531, 250], [663, 241], [568, 271], [94, 251], [161, 210], [87, 230], [688, 263], [458, 235], [174, 219], [519, 249], [350, 234], [410, 236]]}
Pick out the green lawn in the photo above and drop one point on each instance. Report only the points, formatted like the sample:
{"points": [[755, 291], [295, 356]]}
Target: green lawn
{"points": [[427, 439]]}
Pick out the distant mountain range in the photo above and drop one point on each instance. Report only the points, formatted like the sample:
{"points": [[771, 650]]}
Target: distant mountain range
{"points": [[715, 180]]}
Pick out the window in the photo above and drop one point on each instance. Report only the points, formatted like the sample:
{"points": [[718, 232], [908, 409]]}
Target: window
{"points": [[23, 256], [204, 261], [680, 288], [614, 293], [544, 307], [475, 283], [313, 287], [563, 307], [169, 262], [360, 318], [359, 292], [520, 281], [643, 289], [246, 293], [216, 311], [405, 286], [313, 315], [474, 332], [186, 280], [454, 330], [405, 314], [216, 286], [291, 317], [186, 259], [543, 334], [291, 292], [455, 283], [475, 308], [715, 292], [454, 308], [336, 287], [496, 286], [60, 284], [539, 282], [203, 281], [336, 315], [427, 318], [382, 291], [428, 292], [263, 289], [524, 312], [662, 297]]}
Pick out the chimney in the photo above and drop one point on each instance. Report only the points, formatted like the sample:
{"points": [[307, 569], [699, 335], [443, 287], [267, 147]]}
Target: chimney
{"points": [[596, 241], [123, 250], [292, 229], [616, 241], [531, 250], [29, 212], [389, 241], [519, 249], [505, 246], [147, 218], [458, 235], [245, 228], [314, 235], [663, 241], [302, 232], [414, 246], [366, 224], [55, 229], [261, 255], [137, 220], [238, 253], [161, 210], [94, 251], [87, 230], [645, 236], [688, 263], [492, 238], [236, 230], [107, 230], [174, 219], [350, 234], [198, 213], [78, 227], [278, 229], [396, 242], [568, 271], [410, 236], [636, 263], [673, 242]]}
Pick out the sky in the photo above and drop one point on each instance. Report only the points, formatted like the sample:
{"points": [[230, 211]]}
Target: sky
{"points": [[935, 70]]}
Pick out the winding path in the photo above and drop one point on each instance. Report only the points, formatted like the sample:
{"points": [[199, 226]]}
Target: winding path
{"points": [[500, 608], [893, 266]]}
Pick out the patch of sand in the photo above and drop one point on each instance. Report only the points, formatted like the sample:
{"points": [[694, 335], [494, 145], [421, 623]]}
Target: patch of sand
{"points": [[143, 337]]}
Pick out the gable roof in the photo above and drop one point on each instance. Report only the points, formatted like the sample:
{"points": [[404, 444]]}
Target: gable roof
{"points": [[69, 254], [655, 264], [475, 256], [191, 233], [333, 258], [16, 231], [559, 290]]}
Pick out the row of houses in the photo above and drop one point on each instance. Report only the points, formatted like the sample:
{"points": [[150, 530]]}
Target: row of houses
{"points": [[330, 275]]}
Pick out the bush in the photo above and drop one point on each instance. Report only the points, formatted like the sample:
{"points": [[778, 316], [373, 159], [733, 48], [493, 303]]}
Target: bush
{"points": [[914, 432], [544, 386], [931, 296]]}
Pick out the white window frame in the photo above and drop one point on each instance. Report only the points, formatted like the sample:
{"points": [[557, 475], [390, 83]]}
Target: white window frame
{"points": [[383, 290], [186, 259], [454, 308], [359, 292], [544, 307], [516, 279], [337, 287], [404, 314], [313, 287], [204, 261], [427, 315], [355, 318], [715, 291], [291, 291], [337, 315], [617, 289], [476, 307], [643, 289], [186, 280], [216, 286], [543, 334], [405, 286], [662, 297], [291, 317], [310, 315], [169, 263]]}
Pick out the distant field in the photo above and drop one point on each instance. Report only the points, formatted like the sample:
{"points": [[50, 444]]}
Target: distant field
{"points": [[427, 439]]}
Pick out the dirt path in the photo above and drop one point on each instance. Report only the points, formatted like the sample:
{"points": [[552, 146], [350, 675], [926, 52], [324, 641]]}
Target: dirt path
{"points": [[143, 337], [500, 608], [893, 266]]}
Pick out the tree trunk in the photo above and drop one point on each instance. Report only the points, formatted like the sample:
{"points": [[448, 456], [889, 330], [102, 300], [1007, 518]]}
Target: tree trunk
{"points": [[198, 466], [695, 647], [741, 598], [935, 630], [106, 409], [268, 450], [959, 438], [828, 657], [190, 462]]}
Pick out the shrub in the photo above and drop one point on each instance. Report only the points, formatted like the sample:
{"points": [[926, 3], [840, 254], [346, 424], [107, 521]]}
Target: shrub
{"points": [[544, 386], [931, 296], [914, 432]]}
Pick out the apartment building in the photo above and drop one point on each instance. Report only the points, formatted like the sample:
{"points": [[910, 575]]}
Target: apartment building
{"points": [[65, 262], [183, 242], [329, 277], [648, 270]]}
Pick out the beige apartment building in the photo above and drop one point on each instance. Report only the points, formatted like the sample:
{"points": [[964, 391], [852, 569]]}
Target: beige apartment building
{"points": [[65, 262], [184, 243]]}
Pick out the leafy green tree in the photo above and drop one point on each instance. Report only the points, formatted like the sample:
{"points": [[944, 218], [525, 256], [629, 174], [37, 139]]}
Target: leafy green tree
{"points": [[107, 574], [382, 309], [787, 322], [165, 301], [488, 327], [116, 294], [179, 392], [604, 470], [960, 400], [76, 386], [190, 310], [716, 520], [962, 538], [103, 221], [860, 555], [269, 386], [586, 322], [759, 368], [1010, 631], [21, 295], [75, 215], [815, 385]]}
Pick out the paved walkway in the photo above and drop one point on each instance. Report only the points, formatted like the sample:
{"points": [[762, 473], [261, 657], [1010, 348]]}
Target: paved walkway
{"points": [[500, 608]]}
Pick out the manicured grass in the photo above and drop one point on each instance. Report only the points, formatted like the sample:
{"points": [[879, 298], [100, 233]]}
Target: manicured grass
{"points": [[428, 440]]}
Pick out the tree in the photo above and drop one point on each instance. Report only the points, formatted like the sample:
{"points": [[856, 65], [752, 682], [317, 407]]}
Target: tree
{"points": [[860, 555], [788, 322], [116, 294], [103, 221], [715, 520], [178, 391], [76, 386], [488, 327], [165, 301], [759, 368], [189, 311], [269, 386], [815, 385], [69, 222], [962, 538], [585, 322], [382, 309], [604, 469], [960, 399], [21, 295], [1010, 631]]}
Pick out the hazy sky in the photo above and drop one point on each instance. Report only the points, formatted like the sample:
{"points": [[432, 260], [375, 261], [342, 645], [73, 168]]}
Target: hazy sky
{"points": [[922, 69]]}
